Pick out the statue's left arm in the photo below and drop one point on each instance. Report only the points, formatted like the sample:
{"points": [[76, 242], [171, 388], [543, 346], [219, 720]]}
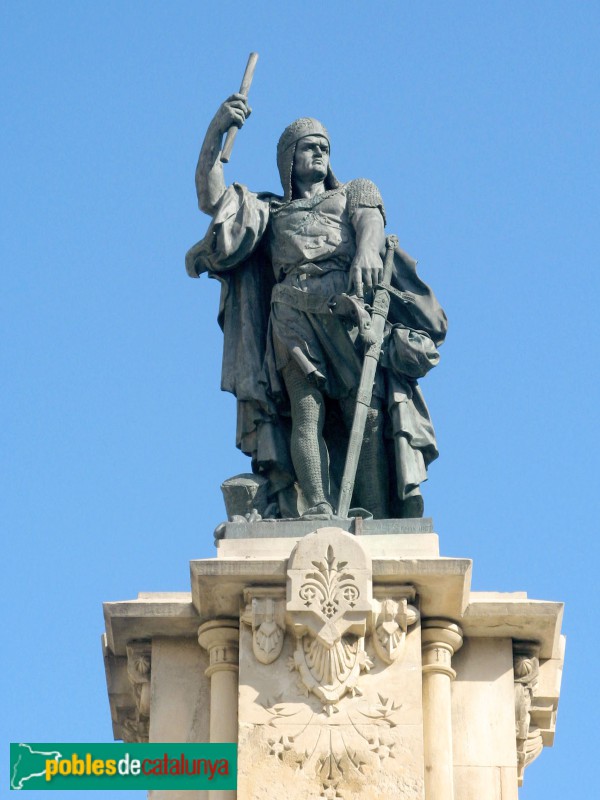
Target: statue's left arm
{"points": [[367, 217], [210, 183]]}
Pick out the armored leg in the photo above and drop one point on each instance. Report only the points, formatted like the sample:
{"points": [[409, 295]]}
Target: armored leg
{"points": [[309, 452]]}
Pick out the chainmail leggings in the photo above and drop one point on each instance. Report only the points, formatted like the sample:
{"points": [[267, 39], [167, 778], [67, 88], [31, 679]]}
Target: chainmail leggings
{"points": [[309, 451]]}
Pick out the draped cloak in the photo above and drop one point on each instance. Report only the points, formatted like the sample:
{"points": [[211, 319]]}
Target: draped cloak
{"points": [[240, 251]]}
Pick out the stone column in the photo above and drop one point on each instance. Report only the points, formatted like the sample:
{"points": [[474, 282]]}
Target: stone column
{"points": [[440, 639], [221, 638]]}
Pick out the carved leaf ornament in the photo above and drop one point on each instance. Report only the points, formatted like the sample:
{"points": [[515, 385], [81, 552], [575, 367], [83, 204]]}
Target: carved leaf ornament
{"points": [[330, 672], [329, 604], [329, 584], [338, 754]]}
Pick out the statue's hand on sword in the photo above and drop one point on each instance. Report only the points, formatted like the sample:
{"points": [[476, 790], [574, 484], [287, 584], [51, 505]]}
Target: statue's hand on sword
{"points": [[366, 271]]}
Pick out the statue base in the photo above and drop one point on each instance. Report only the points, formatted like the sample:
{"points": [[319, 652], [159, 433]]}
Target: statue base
{"points": [[347, 659]]}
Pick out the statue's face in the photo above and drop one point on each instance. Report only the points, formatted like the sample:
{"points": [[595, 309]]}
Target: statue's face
{"points": [[311, 159]]}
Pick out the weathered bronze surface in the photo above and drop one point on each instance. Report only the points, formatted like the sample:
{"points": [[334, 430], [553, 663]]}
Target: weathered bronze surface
{"points": [[304, 300]]}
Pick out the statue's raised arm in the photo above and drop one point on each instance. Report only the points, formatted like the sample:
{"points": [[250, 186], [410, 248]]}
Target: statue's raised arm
{"points": [[210, 182]]}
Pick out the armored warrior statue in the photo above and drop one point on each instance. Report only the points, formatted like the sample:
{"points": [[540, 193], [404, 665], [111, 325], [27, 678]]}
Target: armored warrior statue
{"points": [[298, 272]]}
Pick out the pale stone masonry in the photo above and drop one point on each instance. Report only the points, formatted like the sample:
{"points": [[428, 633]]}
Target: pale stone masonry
{"points": [[347, 664]]}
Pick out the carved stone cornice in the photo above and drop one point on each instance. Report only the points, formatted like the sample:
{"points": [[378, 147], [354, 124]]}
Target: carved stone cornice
{"points": [[528, 735], [136, 726], [221, 638]]}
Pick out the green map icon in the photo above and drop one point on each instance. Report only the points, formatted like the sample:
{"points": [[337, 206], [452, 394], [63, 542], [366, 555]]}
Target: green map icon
{"points": [[28, 764]]}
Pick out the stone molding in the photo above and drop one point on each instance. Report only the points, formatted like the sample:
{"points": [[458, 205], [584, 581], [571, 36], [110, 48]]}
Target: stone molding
{"points": [[218, 583]]}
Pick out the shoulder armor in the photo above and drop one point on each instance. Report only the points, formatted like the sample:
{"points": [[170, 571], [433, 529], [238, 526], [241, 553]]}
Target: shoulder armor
{"points": [[362, 193]]}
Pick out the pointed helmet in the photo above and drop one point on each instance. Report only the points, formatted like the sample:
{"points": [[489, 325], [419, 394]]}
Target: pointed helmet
{"points": [[286, 149]]}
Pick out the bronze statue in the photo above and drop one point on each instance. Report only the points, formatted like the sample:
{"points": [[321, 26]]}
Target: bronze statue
{"points": [[298, 274]]}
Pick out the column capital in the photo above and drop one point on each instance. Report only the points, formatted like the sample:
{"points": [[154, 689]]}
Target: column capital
{"points": [[221, 638], [440, 639]]}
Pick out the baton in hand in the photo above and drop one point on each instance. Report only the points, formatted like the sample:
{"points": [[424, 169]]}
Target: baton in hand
{"points": [[244, 89]]}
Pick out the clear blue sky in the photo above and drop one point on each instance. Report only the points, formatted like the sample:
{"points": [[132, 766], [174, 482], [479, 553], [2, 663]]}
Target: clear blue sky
{"points": [[480, 124]]}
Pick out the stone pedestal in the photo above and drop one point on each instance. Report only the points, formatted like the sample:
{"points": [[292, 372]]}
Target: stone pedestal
{"points": [[348, 661]]}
